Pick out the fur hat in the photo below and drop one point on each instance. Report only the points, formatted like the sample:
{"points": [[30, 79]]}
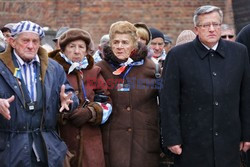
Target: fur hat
{"points": [[156, 33], [185, 36], [73, 34]]}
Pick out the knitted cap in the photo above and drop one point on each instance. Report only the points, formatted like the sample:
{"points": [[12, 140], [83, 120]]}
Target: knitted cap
{"points": [[74, 34], [27, 26], [185, 36], [60, 31], [156, 33]]}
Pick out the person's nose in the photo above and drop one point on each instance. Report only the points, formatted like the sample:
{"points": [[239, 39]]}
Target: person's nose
{"points": [[120, 45], [211, 28], [30, 44], [77, 50]]}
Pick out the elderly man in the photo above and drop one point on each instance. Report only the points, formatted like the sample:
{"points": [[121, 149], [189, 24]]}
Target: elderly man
{"points": [[205, 105], [157, 44], [32, 89]]}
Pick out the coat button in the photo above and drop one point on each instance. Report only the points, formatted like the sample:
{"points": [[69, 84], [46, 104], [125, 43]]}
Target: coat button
{"points": [[214, 74], [128, 108], [212, 55], [129, 129], [77, 137], [216, 133], [216, 103]]}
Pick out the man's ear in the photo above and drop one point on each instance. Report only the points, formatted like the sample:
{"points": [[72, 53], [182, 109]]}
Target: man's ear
{"points": [[12, 42], [196, 30]]}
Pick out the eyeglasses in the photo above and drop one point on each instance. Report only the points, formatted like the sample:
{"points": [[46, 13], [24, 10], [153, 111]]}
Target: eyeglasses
{"points": [[227, 36], [208, 25]]}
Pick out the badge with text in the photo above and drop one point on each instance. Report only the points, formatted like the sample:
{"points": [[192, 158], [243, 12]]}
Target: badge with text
{"points": [[123, 87]]}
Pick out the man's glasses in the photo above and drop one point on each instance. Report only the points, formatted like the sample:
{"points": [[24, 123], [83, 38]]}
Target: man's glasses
{"points": [[208, 25], [227, 36]]}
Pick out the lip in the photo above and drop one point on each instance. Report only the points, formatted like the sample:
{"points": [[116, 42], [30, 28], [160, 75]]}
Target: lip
{"points": [[212, 35]]}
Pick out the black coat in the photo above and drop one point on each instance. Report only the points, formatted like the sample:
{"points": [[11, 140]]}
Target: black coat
{"points": [[244, 37], [205, 103]]}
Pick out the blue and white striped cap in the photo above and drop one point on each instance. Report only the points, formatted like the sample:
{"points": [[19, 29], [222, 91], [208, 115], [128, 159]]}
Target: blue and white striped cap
{"points": [[27, 26]]}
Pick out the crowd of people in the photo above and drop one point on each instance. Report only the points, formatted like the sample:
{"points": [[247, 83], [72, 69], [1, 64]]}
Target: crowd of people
{"points": [[137, 100]]}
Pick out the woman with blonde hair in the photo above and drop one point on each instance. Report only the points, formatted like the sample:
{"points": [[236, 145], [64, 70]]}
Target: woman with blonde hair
{"points": [[131, 136]]}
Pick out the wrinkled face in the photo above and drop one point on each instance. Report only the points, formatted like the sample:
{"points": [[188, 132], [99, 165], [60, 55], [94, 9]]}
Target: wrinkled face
{"points": [[228, 35], [76, 50], [26, 45], [122, 46], [209, 28], [157, 45]]}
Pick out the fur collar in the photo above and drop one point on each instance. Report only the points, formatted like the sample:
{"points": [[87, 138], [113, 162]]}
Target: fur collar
{"points": [[7, 60]]}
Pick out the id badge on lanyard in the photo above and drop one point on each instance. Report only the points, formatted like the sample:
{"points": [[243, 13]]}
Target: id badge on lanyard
{"points": [[123, 87]]}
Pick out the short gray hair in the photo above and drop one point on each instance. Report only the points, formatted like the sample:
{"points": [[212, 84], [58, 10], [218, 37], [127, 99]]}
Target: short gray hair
{"points": [[225, 27], [205, 10]]}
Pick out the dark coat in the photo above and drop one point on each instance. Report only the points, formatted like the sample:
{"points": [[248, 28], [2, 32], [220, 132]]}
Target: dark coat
{"points": [[205, 103], [131, 135], [244, 37], [15, 147], [85, 142]]}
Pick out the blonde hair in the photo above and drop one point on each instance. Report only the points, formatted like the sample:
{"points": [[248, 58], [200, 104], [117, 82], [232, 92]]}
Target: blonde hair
{"points": [[123, 27], [143, 34]]}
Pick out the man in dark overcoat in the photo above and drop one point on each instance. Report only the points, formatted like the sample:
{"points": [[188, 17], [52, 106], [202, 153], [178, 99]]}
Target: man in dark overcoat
{"points": [[205, 100], [244, 37]]}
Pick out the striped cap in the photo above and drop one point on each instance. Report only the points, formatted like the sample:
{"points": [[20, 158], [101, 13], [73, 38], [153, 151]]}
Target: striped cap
{"points": [[27, 26]]}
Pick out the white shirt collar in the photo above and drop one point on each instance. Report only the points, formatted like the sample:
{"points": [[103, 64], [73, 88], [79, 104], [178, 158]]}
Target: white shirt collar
{"points": [[214, 47]]}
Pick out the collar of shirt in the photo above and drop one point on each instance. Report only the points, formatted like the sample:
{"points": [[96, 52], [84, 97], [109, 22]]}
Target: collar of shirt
{"points": [[214, 47], [21, 62]]}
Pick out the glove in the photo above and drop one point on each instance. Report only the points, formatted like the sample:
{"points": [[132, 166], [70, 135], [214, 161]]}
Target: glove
{"points": [[80, 116]]}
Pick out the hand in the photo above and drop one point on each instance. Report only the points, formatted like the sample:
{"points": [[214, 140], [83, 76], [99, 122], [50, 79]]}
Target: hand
{"points": [[5, 105], [176, 149], [65, 99], [80, 116], [244, 146]]}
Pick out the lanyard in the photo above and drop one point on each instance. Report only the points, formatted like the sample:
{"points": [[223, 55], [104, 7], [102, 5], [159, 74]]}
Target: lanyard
{"points": [[84, 92], [126, 73]]}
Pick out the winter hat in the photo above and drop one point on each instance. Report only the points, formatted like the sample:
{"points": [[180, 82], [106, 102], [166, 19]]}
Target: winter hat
{"points": [[60, 31], [7, 27], [185, 36], [156, 33], [27, 26], [73, 34], [167, 39]]}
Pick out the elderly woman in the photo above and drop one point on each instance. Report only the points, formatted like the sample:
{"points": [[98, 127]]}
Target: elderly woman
{"points": [[131, 135], [80, 130]]}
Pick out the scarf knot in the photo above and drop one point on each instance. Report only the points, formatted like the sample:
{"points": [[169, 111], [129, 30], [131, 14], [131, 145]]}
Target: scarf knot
{"points": [[129, 62], [75, 65]]}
